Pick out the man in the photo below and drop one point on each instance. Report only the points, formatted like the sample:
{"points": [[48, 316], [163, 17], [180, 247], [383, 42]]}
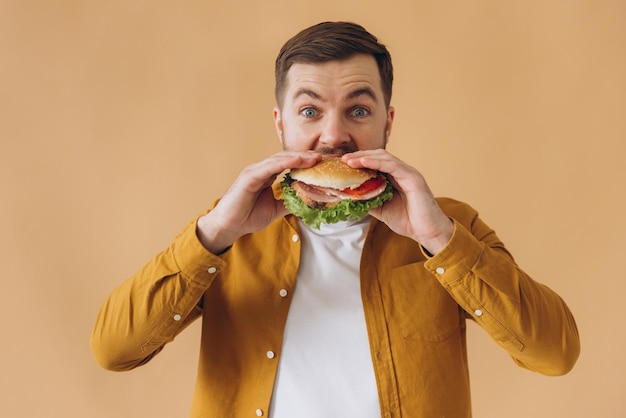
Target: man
{"points": [[359, 319]]}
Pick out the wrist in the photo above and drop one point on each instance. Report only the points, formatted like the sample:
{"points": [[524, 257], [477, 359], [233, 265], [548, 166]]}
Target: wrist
{"points": [[439, 240], [213, 237]]}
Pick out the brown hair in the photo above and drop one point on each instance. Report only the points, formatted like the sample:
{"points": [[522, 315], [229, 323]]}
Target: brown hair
{"points": [[332, 41]]}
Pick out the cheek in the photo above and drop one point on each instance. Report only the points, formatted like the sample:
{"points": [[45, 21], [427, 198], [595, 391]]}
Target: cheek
{"points": [[297, 138], [372, 137]]}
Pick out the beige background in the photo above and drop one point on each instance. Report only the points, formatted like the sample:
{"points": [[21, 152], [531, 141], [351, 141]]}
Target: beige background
{"points": [[121, 120]]}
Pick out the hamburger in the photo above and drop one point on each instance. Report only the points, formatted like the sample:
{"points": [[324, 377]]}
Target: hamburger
{"points": [[331, 191]]}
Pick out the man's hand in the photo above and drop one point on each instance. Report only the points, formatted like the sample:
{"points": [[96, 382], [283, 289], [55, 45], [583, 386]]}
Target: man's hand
{"points": [[249, 204], [413, 211]]}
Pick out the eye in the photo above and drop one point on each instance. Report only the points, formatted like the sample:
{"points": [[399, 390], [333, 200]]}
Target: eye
{"points": [[360, 112], [308, 112]]}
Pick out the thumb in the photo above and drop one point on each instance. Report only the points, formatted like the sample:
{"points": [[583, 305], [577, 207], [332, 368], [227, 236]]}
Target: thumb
{"points": [[377, 212]]}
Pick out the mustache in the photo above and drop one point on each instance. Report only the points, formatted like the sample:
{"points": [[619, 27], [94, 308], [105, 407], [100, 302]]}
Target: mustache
{"points": [[338, 151]]}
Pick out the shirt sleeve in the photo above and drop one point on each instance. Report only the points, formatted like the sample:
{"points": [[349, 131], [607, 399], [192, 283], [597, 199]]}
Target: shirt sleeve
{"points": [[528, 319], [150, 308]]}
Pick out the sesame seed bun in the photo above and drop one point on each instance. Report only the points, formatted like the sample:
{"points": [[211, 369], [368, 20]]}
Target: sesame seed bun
{"points": [[334, 173]]}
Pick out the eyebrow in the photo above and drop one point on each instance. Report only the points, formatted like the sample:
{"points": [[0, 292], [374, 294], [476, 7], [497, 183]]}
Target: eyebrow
{"points": [[307, 92], [364, 91]]}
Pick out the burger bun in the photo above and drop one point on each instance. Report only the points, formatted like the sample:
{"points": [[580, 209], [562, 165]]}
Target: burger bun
{"points": [[332, 172]]}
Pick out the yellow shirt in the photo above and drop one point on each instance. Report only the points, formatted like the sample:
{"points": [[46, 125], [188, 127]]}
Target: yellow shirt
{"points": [[415, 310]]}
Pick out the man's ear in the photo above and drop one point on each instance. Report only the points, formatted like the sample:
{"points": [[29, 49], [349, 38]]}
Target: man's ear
{"points": [[391, 113], [278, 123]]}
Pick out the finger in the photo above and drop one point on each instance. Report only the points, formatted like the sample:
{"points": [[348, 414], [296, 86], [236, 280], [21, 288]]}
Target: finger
{"points": [[291, 159], [260, 175], [379, 160]]}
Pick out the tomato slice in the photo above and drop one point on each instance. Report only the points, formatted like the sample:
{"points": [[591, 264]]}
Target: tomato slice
{"points": [[366, 187]]}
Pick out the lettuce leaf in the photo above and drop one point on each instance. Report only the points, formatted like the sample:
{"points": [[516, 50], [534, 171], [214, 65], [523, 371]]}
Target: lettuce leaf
{"points": [[345, 211]]}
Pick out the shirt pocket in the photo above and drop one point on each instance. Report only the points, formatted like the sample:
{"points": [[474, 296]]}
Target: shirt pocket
{"points": [[420, 306]]}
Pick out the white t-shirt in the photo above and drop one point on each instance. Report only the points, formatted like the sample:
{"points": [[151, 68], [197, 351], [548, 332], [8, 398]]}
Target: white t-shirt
{"points": [[325, 369]]}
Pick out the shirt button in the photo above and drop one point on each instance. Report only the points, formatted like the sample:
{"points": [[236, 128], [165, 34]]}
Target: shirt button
{"points": [[259, 412], [177, 317], [212, 270], [478, 312], [440, 270], [295, 238], [282, 293], [270, 354]]}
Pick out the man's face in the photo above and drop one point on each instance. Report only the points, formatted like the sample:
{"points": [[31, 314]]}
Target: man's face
{"points": [[334, 107]]}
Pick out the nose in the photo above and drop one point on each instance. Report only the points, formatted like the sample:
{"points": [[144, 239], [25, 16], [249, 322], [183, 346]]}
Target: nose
{"points": [[334, 132]]}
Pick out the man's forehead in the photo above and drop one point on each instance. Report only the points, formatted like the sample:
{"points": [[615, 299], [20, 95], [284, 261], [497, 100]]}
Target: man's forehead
{"points": [[360, 63], [356, 76]]}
